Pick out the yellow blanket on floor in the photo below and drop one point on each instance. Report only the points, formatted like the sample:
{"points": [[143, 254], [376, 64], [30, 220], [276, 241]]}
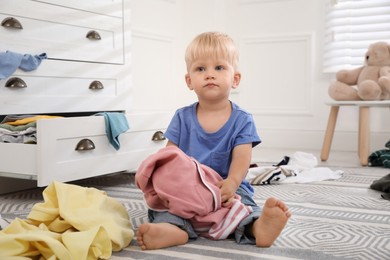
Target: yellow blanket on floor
{"points": [[72, 223]]}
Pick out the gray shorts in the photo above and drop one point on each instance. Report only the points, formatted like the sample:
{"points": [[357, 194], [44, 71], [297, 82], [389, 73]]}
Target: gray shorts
{"points": [[242, 234]]}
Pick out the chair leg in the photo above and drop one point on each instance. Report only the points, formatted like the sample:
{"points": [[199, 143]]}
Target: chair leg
{"points": [[364, 135], [334, 110]]}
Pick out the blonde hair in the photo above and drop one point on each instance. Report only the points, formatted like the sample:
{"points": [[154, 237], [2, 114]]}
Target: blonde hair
{"points": [[212, 44]]}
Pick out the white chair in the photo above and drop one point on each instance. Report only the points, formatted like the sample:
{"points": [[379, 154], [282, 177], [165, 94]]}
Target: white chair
{"points": [[364, 126]]}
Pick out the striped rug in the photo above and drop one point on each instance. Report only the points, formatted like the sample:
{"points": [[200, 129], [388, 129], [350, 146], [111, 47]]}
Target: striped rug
{"points": [[338, 219]]}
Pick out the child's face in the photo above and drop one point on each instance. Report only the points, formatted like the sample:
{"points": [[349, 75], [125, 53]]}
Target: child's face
{"points": [[212, 78]]}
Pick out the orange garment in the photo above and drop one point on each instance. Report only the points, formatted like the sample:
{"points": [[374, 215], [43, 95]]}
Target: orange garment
{"points": [[30, 119]]}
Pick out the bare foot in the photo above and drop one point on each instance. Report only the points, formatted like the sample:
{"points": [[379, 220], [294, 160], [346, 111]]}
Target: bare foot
{"points": [[160, 235], [270, 224]]}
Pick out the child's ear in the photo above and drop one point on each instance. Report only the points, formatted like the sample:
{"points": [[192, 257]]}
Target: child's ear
{"points": [[236, 79], [188, 81]]}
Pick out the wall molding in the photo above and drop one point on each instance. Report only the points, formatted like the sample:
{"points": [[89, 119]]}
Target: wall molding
{"points": [[254, 2], [169, 1], [142, 34], [307, 40], [303, 139]]}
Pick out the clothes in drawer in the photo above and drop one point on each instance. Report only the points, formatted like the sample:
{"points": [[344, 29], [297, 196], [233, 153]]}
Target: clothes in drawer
{"points": [[56, 157]]}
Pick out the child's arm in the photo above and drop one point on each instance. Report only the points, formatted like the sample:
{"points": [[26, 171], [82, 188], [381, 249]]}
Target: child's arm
{"points": [[169, 143], [241, 159]]}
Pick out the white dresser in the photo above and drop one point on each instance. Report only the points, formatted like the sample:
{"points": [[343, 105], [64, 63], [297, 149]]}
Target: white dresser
{"points": [[88, 70]]}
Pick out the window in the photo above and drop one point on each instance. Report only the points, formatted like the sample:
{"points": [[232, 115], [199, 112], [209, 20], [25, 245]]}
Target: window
{"points": [[351, 26]]}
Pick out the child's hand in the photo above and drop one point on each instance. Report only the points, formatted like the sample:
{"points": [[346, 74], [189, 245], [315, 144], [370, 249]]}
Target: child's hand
{"points": [[228, 189]]}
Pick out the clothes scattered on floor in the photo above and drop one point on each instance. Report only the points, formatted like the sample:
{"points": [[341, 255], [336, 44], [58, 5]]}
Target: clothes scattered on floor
{"points": [[268, 174], [116, 124], [10, 61], [383, 185], [380, 157], [20, 128], [72, 223], [300, 167]]}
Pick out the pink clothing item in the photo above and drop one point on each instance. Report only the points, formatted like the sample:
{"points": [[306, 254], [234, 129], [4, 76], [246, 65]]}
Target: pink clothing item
{"points": [[172, 181]]}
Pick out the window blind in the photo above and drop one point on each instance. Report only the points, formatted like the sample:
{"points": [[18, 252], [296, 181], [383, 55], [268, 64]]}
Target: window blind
{"points": [[350, 27]]}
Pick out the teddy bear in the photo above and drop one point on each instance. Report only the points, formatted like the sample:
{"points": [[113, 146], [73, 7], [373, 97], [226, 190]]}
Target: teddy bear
{"points": [[368, 82]]}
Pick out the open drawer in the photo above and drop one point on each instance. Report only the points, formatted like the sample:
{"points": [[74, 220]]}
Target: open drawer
{"points": [[55, 156]]}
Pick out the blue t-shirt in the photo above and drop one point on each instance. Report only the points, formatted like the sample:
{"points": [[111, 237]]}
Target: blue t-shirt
{"points": [[212, 149]]}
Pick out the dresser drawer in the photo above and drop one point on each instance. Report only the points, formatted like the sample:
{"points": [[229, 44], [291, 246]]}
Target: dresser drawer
{"points": [[106, 7], [67, 89], [55, 157], [61, 32]]}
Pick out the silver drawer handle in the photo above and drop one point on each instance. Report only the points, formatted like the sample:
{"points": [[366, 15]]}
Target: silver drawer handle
{"points": [[96, 85], [158, 136], [85, 145], [11, 22], [93, 35], [15, 83]]}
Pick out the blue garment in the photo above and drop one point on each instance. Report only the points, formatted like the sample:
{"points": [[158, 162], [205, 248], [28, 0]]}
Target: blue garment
{"points": [[116, 124], [10, 61], [213, 149]]}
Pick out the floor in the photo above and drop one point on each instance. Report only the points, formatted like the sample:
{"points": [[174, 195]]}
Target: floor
{"points": [[335, 219]]}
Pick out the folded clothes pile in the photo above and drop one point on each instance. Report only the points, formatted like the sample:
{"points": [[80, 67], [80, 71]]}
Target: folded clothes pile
{"points": [[20, 128]]}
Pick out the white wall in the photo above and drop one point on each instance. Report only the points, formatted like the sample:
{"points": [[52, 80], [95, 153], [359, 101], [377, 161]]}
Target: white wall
{"points": [[281, 45]]}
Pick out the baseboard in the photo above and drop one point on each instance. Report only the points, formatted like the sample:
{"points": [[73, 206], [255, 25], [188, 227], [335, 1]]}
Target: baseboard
{"points": [[343, 141]]}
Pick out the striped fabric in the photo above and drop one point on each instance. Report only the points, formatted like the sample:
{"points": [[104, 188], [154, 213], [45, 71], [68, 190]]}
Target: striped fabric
{"points": [[271, 175], [223, 229]]}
